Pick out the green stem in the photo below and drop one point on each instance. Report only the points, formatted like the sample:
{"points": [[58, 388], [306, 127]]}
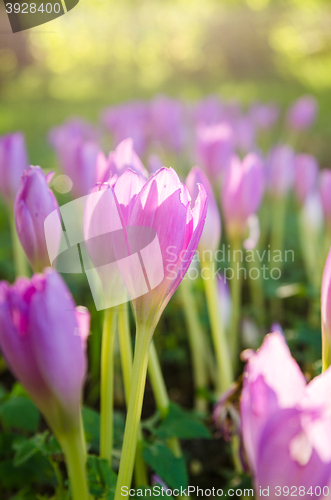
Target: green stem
{"points": [[107, 383], [235, 284], [196, 341], [256, 289], [140, 472], [137, 390], [74, 449], [225, 375], [160, 393], [21, 264], [277, 243]]}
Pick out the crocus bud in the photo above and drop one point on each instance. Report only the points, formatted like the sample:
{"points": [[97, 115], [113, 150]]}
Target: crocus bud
{"points": [[215, 146], [302, 113], [211, 234], [43, 339], [34, 201], [325, 190], [125, 157], [13, 162], [305, 175], [264, 116], [280, 170], [208, 111], [224, 300], [285, 422], [242, 192]]}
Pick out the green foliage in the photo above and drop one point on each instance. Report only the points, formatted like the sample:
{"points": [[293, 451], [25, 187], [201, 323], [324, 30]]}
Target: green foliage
{"points": [[181, 424], [171, 469], [101, 478], [19, 413]]}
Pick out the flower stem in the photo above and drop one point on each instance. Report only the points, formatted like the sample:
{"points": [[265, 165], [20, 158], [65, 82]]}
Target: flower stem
{"points": [[225, 375], [21, 264], [140, 472], [256, 289], [196, 341], [137, 390], [160, 393], [235, 285], [277, 244], [107, 383], [74, 449]]}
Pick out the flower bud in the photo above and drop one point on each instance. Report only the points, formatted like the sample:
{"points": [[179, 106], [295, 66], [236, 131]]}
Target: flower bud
{"points": [[305, 175], [13, 162], [302, 113]]}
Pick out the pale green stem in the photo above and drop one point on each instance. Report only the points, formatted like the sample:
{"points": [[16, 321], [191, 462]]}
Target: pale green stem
{"points": [[107, 383], [140, 471], [256, 288], [21, 264], [137, 390], [74, 449], [225, 375], [235, 284], [160, 393], [277, 243], [196, 341]]}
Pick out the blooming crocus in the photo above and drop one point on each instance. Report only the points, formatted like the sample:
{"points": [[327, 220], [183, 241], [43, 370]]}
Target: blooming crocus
{"points": [[211, 233], [302, 113], [84, 163], [280, 170], [13, 162], [242, 192], [325, 190], [43, 339], [125, 157], [285, 422], [215, 146], [305, 175], [34, 201]]}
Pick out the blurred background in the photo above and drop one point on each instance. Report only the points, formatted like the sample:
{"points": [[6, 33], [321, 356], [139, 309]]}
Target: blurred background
{"points": [[106, 52]]}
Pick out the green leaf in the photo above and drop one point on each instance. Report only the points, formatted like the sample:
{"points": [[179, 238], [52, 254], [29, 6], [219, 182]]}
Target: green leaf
{"points": [[23, 451], [91, 419], [181, 424], [20, 413], [102, 478], [44, 443], [170, 468]]}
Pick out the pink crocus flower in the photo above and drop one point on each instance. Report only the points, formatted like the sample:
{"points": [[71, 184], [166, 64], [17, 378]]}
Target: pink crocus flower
{"points": [[74, 129], [305, 175], [43, 339], [280, 170], [13, 162], [302, 113], [125, 157], [163, 206], [215, 146], [34, 201], [264, 115], [167, 123], [326, 313], [242, 192], [286, 423], [211, 234], [208, 111], [325, 190]]}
